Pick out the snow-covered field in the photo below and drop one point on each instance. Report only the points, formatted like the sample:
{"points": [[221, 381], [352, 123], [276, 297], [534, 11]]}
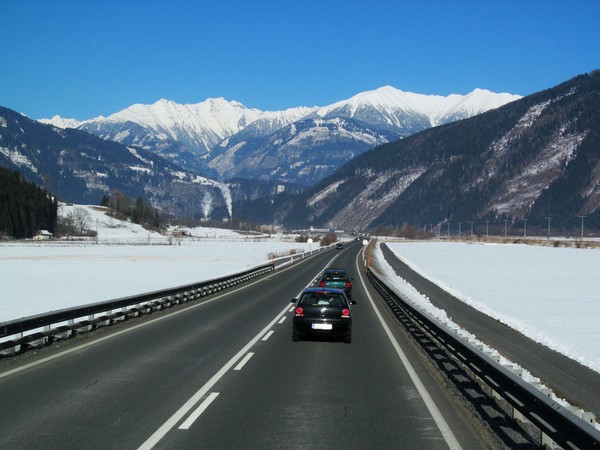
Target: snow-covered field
{"points": [[40, 278], [550, 294], [37, 277]]}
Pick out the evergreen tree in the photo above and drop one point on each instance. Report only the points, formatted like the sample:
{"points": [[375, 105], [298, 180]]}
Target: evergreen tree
{"points": [[25, 208], [105, 201]]}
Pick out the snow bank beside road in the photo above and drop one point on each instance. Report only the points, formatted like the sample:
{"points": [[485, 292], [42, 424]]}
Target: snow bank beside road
{"points": [[549, 294]]}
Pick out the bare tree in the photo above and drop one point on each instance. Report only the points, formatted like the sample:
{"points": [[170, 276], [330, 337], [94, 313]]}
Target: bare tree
{"points": [[80, 218]]}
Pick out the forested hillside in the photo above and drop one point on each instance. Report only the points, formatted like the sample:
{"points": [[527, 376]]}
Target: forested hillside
{"points": [[25, 208], [534, 160]]}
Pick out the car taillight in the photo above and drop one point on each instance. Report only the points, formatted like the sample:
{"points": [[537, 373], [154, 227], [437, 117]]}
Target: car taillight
{"points": [[345, 312], [348, 284], [299, 311], [322, 284]]}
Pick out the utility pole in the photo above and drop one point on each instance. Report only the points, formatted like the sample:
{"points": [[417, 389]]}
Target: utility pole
{"points": [[487, 228], [524, 228], [548, 219], [582, 217], [472, 228]]}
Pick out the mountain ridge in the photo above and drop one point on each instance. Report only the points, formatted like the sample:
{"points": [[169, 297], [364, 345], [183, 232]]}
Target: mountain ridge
{"points": [[195, 135], [421, 103], [80, 167], [530, 161], [527, 161]]}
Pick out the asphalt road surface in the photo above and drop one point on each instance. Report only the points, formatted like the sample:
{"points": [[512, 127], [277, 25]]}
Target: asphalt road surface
{"points": [[224, 373]]}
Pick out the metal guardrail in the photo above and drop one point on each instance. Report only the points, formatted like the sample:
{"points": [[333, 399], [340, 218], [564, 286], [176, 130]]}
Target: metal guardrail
{"points": [[292, 258], [64, 323], [554, 420], [36, 331]]}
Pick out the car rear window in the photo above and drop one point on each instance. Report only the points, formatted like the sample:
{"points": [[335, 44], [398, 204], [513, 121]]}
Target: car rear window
{"points": [[319, 299], [335, 277]]}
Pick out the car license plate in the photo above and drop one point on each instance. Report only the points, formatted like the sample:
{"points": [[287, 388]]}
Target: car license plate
{"points": [[322, 326]]}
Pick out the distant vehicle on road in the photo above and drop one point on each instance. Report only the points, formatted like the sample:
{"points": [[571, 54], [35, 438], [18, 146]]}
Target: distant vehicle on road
{"points": [[339, 245], [337, 278], [322, 312]]}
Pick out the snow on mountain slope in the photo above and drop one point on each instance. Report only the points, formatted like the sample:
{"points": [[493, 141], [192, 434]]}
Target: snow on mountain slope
{"points": [[197, 127], [213, 137], [60, 122], [220, 118], [472, 104], [216, 114], [302, 152], [200, 126], [270, 122], [396, 105]]}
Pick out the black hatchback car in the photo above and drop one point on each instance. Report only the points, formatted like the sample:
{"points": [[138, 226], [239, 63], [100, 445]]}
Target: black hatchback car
{"points": [[322, 312]]}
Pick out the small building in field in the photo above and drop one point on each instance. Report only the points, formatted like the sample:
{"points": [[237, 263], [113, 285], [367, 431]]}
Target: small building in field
{"points": [[43, 235]]}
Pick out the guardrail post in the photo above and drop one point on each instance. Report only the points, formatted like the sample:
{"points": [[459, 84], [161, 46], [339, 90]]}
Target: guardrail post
{"points": [[518, 371], [546, 441], [17, 348], [492, 355], [589, 417], [90, 326], [543, 389], [575, 410], [516, 414]]}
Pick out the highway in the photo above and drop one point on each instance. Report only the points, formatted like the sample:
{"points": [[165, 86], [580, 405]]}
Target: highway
{"points": [[224, 372]]}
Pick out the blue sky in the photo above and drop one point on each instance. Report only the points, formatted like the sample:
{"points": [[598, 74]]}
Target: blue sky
{"points": [[85, 58]]}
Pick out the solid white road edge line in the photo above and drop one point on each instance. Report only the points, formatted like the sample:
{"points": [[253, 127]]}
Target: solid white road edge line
{"points": [[244, 361], [192, 418], [441, 423]]}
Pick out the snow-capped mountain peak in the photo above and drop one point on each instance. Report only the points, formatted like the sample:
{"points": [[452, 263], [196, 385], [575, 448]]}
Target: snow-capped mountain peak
{"points": [[60, 122], [224, 118], [191, 135], [437, 108], [216, 114]]}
